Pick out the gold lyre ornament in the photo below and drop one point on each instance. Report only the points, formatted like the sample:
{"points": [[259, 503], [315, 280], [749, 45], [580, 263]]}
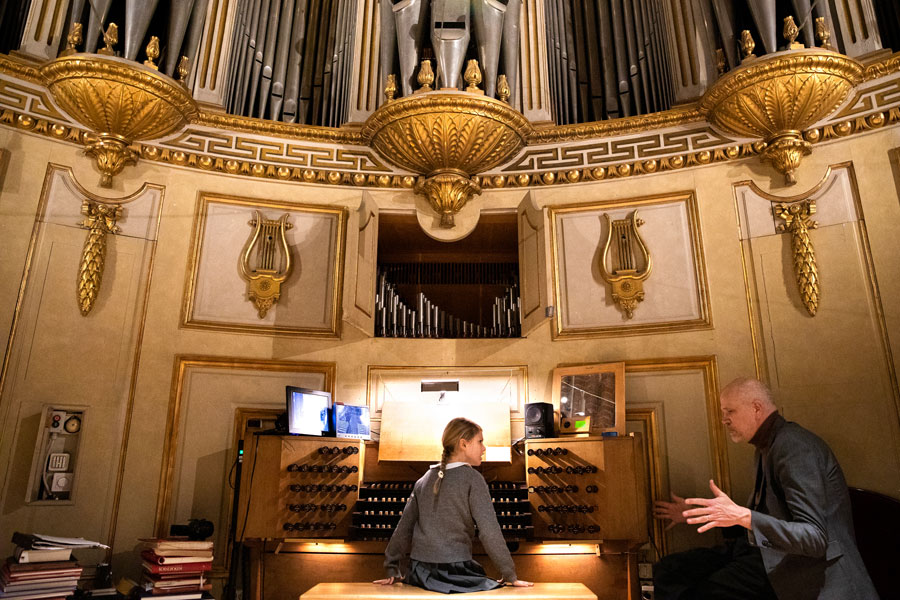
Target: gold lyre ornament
{"points": [[100, 219], [265, 278], [797, 221], [626, 278]]}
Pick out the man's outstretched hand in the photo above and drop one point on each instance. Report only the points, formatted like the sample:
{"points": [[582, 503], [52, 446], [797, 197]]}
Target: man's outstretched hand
{"points": [[718, 511], [671, 511]]}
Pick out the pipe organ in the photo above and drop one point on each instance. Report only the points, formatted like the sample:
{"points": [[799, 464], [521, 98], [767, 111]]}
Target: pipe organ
{"points": [[304, 61]]}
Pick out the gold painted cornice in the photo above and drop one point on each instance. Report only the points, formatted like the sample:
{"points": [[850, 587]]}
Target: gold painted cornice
{"points": [[120, 102], [310, 133], [776, 97], [680, 115], [29, 110], [448, 138]]}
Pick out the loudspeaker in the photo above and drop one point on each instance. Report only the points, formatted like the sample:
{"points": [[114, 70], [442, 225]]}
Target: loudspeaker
{"points": [[538, 420]]}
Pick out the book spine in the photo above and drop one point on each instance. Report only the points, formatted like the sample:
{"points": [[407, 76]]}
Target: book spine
{"points": [[178, 568]]}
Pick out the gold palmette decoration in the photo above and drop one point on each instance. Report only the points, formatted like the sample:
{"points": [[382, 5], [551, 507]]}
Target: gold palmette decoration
{"points": [[779, 95], [120, 102], [264, 281], [100, 220], [110, 39], [797, 221], [447, 138], [626, 279]]}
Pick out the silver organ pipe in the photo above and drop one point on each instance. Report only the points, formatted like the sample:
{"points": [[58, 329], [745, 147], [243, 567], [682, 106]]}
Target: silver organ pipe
{"points": [[420, 317]]}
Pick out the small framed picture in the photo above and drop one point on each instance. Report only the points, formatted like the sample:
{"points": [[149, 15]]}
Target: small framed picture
{"points": [[590, 398]]}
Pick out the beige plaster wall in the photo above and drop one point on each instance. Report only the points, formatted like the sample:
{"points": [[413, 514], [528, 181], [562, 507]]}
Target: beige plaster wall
{"points": [[736, 347]]}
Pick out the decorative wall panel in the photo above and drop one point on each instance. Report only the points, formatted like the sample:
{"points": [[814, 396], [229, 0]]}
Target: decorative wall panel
{"points": [[675, 291], [674, 403], [50, 340], [822, 367], [216, 296], [207, 394]]}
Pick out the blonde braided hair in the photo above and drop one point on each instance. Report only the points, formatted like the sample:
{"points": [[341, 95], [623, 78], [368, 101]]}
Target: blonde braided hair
{"points": [[457, 429]]}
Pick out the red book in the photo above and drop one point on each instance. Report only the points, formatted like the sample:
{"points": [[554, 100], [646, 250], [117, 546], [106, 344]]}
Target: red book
{"points": [[192, 567]]}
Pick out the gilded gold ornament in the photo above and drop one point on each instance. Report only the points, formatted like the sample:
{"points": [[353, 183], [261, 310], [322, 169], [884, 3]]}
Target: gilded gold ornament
{"points": [[797, 222], [823, 35], [265, 274], [73, 40], [390, 87], [110, 39], [120, 102], [627, 277], [790, 33], [503, 90], [779, 95], [472, 76], [747, 45], [447, 137], [426, 76], [152, 51], [100, 220], [184, 68]]}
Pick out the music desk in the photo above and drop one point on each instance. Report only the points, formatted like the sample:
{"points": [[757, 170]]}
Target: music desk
{"points": [[399, 591]]}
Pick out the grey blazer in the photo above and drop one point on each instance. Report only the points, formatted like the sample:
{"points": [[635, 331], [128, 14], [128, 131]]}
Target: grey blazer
{"points": [[805, 533]]}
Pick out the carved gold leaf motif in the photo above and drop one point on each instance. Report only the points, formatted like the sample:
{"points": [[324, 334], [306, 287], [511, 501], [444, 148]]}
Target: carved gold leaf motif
{"points": [[797, 221], [120, 101], [448, 138], [780, 95], [100, 219]]}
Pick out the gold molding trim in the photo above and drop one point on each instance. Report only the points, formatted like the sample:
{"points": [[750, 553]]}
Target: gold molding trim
{"points": [[170, 446], [709, 367], [698, 260], [649, 419], [858, 123], [204, 199]]}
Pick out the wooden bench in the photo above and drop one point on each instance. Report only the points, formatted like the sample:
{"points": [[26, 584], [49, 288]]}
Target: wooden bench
{"points": [[399, 591]]}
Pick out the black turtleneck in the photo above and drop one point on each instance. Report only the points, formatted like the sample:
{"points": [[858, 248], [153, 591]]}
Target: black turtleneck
{"points": [[762, 439]]}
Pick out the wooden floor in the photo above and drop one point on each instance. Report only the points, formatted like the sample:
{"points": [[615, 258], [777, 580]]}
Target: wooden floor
{"points": [[399, 591]]}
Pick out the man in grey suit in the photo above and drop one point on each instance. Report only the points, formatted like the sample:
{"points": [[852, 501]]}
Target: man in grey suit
{"points": [[795, 541]]}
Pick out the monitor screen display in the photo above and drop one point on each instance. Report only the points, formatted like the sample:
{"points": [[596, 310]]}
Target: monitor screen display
{"points": [[351, 421], [307, 411]]}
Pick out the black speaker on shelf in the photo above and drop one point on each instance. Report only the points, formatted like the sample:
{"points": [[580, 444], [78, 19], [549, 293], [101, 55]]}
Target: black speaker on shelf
{"points": [[538, 420]]}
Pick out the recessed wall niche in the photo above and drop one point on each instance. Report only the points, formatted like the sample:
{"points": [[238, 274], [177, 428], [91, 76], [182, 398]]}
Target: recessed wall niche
{"points": [[427, 288]]}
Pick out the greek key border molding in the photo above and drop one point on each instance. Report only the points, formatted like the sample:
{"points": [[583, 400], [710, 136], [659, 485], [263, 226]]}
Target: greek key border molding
{"points": [[671, 140]]}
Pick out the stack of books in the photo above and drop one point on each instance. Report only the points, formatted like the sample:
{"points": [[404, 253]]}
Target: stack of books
{"points": [[42, 567], [32, 580], [176, 568]]}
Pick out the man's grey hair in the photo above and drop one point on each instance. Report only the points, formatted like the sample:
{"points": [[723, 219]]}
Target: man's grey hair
{"points": [[750, 389]]}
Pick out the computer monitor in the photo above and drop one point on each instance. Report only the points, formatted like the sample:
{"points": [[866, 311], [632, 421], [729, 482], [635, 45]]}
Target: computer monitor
{"points": [[351, 421], [307, 411]]}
